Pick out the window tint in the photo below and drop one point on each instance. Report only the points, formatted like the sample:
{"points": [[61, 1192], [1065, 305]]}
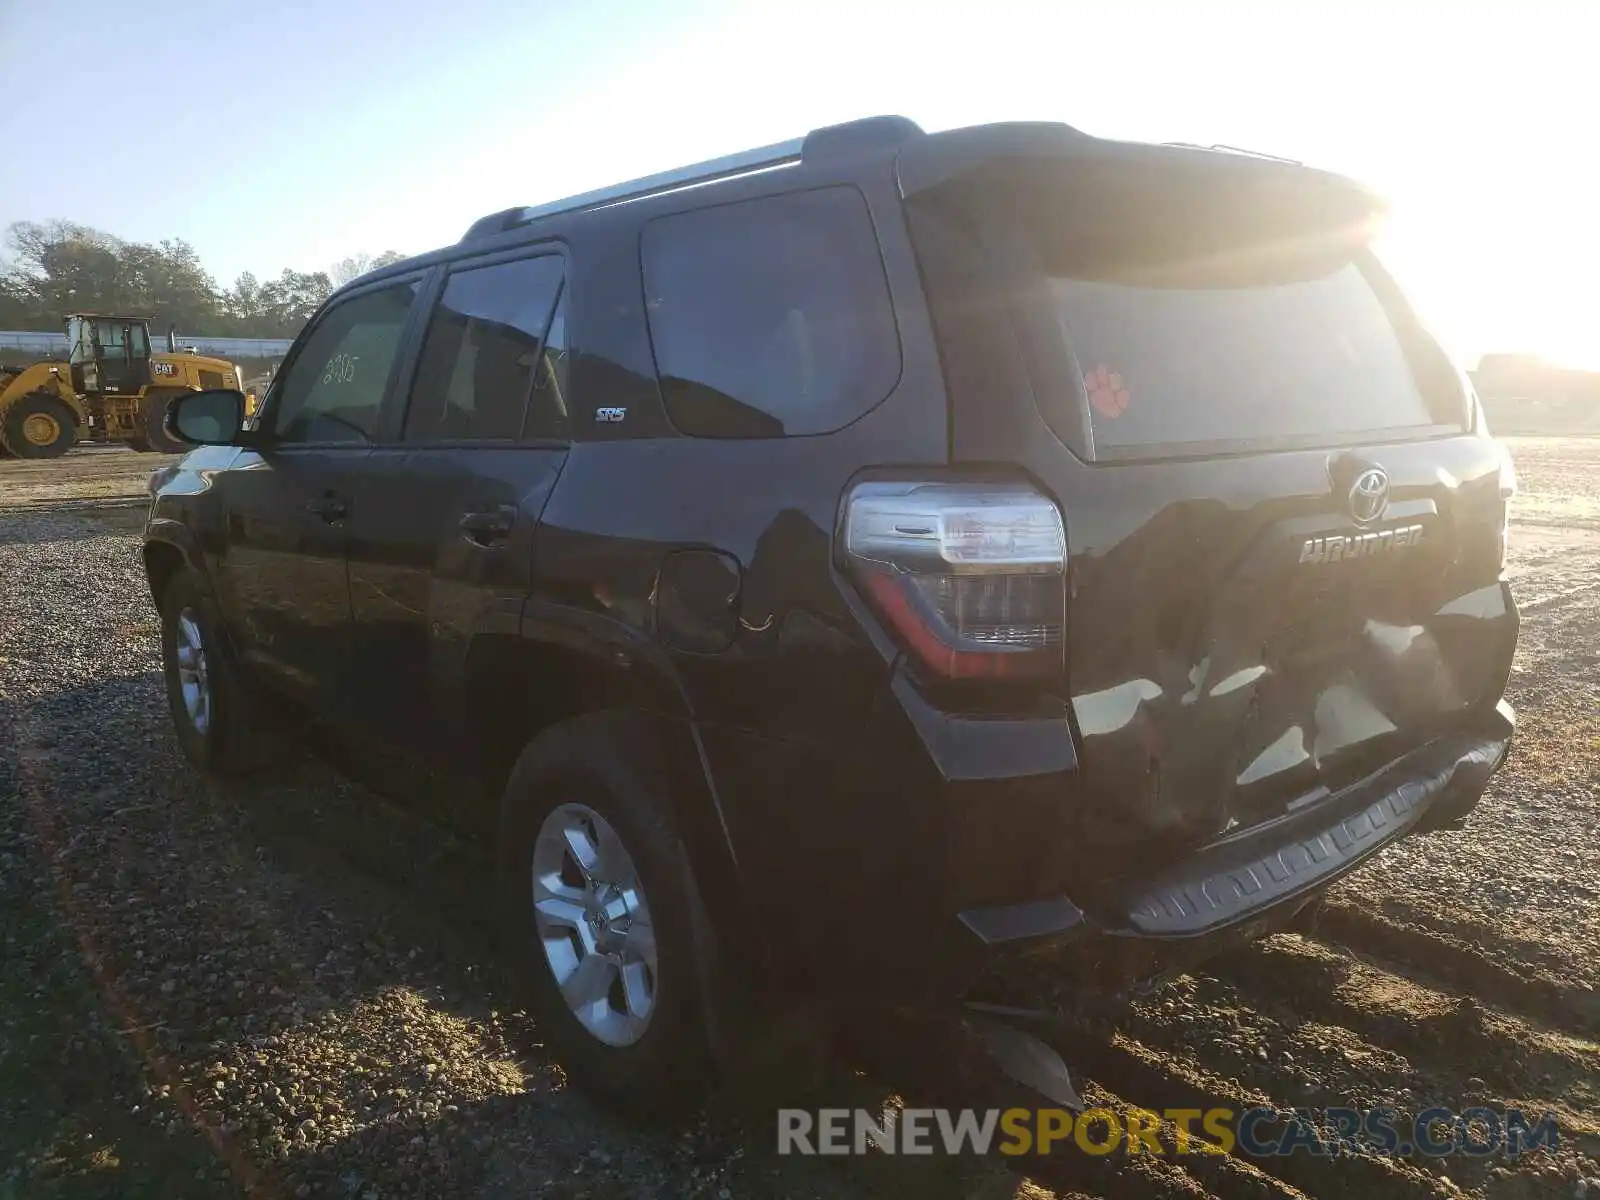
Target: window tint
{"points": [[770, 317], [333, 390], [548, 413], [1271, 360], [481, 357]]}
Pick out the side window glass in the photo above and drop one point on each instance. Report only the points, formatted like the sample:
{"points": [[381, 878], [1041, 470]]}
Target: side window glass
{"points": [[82, 350], [548, 411], [481, 359], [333, 390], [770, 317]]}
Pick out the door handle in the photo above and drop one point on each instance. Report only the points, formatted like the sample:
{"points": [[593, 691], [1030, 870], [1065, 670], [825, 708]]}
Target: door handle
{"points": [[484, 525], [329, 507]]}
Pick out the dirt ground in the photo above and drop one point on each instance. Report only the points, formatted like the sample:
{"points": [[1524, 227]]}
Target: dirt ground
{"points": [[285, 987]]}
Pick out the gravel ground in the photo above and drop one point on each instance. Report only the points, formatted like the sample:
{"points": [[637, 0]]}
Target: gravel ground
{"points": [[284, 988]]}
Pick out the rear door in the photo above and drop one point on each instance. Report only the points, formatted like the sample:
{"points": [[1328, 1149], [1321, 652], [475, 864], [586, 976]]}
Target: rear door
{"points": [[441, 540], [1284, 532]]}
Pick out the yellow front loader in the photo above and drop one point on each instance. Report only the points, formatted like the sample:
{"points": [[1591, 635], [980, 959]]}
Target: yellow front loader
{"points": [[110, 389]]}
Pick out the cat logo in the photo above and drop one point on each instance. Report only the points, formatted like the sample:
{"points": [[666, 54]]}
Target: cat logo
{"points": [[163, 368]]}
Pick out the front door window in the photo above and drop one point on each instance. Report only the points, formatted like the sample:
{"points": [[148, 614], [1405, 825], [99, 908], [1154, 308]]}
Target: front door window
{"points": [[333, 390]]}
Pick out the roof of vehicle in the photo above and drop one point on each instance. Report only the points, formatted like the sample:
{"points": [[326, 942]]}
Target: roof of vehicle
{"points": [[922, 161]]}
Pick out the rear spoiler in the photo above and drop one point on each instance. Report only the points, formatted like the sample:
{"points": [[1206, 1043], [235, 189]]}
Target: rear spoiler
{"points": [[937, 158], [1139, 199]]}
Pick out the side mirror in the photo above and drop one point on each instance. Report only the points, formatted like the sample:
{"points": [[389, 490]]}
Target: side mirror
{"points": [[211, 418]]}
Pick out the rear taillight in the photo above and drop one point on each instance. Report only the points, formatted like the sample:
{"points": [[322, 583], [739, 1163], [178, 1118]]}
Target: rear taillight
{"points": [[1508, 491], [970, 577]]}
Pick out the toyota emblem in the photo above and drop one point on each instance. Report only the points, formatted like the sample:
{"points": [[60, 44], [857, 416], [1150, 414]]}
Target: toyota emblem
{"points": [[1369, 496]]}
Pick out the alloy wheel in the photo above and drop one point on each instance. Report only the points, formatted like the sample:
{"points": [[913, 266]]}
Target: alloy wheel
{"points": [[594, 924], [194, 681]]}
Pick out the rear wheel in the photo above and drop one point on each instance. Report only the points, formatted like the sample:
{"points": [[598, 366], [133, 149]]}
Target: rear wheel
{"points": [[154, 434], [598, 911], [38, 426]]}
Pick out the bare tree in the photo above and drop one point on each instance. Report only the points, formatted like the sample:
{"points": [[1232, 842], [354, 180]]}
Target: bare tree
{"points": [[356, 265]]}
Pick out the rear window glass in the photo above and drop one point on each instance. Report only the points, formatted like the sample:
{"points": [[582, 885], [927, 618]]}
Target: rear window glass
{"points": [[770, 317], [1310, 357]]}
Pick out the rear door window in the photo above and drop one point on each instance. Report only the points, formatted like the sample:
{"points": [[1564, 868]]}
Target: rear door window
{"points": [[1263, 361], [770, 317], [482, 375]]}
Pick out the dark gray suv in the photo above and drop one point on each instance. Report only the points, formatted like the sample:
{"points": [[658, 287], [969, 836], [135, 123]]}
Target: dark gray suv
{"points": [[837, 567]]}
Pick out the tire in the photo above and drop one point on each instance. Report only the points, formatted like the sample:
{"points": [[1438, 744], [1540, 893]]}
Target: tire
{"points": [[38, 426], [154, 432], [598, 766], [226, 733]]}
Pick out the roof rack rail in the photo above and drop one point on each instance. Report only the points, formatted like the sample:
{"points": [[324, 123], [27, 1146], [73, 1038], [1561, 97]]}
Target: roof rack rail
{"points": [[869, 131], [1222, 148]]}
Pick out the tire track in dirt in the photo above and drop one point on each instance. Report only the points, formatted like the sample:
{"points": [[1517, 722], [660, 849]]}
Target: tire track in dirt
{"points": [[1445, 1047], [1141, 1070], [1441, 957], [1451, 1035]]}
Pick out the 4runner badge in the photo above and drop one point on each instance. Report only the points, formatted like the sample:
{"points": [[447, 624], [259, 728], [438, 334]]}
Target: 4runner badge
{"points": [[1340, 548], [609, 415]]}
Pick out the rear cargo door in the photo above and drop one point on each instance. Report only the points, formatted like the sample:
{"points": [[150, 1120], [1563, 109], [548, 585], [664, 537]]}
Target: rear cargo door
{"points": [[1284, 532]]}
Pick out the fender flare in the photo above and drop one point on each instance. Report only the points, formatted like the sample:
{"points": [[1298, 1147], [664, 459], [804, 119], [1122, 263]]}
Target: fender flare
{"points": [[632, 671], [164, 538]]}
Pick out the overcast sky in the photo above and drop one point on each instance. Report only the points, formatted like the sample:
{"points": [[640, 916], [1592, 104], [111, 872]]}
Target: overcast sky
{"points": [[286, 134]]}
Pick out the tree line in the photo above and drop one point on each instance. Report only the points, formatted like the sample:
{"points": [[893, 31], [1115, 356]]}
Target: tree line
{"points": [[53, 268]]}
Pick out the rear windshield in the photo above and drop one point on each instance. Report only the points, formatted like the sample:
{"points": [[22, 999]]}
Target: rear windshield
{"points": [[1309, 357], [1203, 302]]}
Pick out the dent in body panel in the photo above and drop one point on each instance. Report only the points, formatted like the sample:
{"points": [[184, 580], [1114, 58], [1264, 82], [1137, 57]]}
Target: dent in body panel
{"points": [[1345, 716], [1218, 671], [1487, 603], [1284, 754], [1113, 709]]}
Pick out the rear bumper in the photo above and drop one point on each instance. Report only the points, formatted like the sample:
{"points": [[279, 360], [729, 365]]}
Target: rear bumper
{"points": [[1240, 887]]}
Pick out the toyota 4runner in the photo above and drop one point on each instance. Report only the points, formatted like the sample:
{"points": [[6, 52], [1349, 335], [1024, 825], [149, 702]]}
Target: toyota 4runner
{"points": [[849, 564]]}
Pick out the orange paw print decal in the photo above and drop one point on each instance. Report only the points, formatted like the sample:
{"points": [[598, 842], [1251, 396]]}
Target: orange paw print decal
{"points": [[1107, 392]]}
